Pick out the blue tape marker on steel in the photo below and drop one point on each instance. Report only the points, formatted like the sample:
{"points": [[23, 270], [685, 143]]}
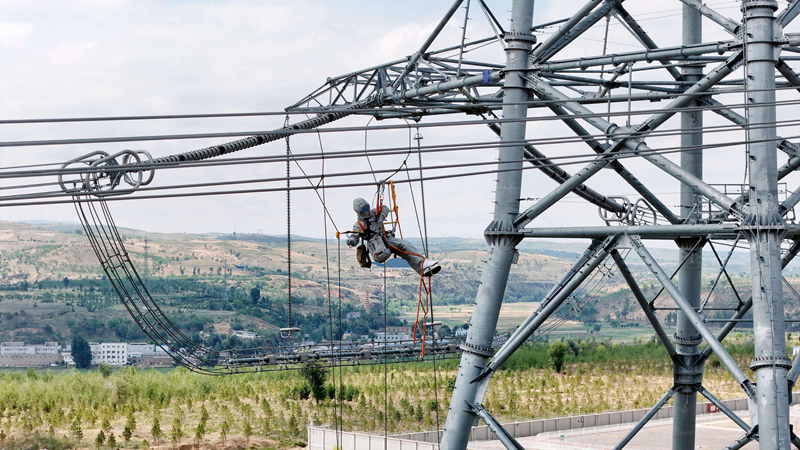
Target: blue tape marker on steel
{"points": [[486, 78]]}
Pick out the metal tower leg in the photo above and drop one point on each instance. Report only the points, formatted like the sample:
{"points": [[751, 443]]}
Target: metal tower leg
{"points": [[687, 375], [766, 228], [478, 346]]}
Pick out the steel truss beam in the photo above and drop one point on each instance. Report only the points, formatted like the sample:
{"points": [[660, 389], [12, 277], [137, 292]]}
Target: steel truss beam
{"points": [[725, 410], [787, 15], [731, 26], [592, 257], [483, 325], [765, 234], [428, 83], [640, 298], [502, 434], [559, 175], [747, 304], [564, 30], [597, 147], [412, 61], [572, 31], [646, 418], [723, 355], [634, 28], [631, 139]]}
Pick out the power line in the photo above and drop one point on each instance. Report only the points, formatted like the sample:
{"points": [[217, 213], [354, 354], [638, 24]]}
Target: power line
{"points": [[390, 151], [361, 184], [396, 127]]}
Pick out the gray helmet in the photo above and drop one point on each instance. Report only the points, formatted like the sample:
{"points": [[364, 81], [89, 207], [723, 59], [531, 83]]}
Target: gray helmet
{"points": [[361, 207]]}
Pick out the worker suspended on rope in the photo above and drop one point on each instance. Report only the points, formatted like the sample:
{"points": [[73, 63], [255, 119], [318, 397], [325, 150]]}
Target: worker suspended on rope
{"points": [[379, 244]]}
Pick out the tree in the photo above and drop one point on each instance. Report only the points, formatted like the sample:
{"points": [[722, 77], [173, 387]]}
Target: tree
{"points": [[81, 352], [105, 425], [315, 375], [576, 349], [155, 430], [255, 295], [65, 281], [100, 439], [557, 352], [224, 428], [77, 433], [127, 433], [247, 430], [130, 421], [266, 425], [199, 431], [177, 432], [112, 441], [105, 370]]}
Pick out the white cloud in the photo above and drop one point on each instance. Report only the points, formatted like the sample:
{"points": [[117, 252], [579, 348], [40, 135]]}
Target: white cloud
{"points": [[70, 52], [126, 57], [14, 34]]}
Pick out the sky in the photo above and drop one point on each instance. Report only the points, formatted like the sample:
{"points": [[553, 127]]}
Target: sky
{"points": [[75, 58]]}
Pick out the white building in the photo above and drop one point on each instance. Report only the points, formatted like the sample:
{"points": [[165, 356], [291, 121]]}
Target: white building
{"points": [[20, 355], [19, 348], [139, 350], [95, 348], [393, 334], [115, 353], [245, 334]]}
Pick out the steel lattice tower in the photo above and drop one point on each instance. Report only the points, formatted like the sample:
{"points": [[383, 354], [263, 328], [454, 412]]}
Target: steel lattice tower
{"points": [[529, 76]]}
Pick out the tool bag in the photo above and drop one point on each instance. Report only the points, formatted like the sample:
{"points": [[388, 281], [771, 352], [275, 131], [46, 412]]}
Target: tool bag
{"points": [[363, 256], [377, 249]]}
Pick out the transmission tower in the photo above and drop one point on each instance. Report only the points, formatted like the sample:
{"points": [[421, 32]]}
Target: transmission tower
{"points": [[427, 83], [690, 78]]}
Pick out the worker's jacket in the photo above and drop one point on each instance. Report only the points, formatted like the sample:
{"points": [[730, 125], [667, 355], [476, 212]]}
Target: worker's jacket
{"points": [[373, 225]]}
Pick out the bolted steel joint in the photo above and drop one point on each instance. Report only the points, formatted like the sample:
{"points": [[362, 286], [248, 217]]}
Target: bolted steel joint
{"points": [[769, 361], [684, 377], [689, 340], [749, 4], [511, 36], [477, 349]]}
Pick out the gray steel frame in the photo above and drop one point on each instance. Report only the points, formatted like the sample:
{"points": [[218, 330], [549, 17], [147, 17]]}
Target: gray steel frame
{"points": [[426, 84], [756, 217]]}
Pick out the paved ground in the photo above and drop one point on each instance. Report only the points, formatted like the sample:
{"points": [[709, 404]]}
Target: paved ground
{"points": [[715, 433]]}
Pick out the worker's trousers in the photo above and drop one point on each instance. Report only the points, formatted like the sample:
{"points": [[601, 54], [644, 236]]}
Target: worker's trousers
{"points": [[405, 250]]}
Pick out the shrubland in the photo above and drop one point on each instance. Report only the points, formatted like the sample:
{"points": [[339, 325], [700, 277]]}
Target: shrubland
{"points": [[164, 409]]}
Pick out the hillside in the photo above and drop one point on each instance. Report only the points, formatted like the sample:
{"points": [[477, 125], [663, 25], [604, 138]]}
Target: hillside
{"points": [[51, 285]]}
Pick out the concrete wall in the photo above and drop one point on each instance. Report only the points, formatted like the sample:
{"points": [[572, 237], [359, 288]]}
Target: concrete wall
{"points": [[326, 439]]}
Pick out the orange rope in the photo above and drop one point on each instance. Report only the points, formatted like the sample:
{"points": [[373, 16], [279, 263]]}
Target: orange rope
{"points": [[422, 305]]}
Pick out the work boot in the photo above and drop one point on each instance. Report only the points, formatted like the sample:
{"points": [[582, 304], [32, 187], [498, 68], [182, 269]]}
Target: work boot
{"points": [[431, 267]]}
